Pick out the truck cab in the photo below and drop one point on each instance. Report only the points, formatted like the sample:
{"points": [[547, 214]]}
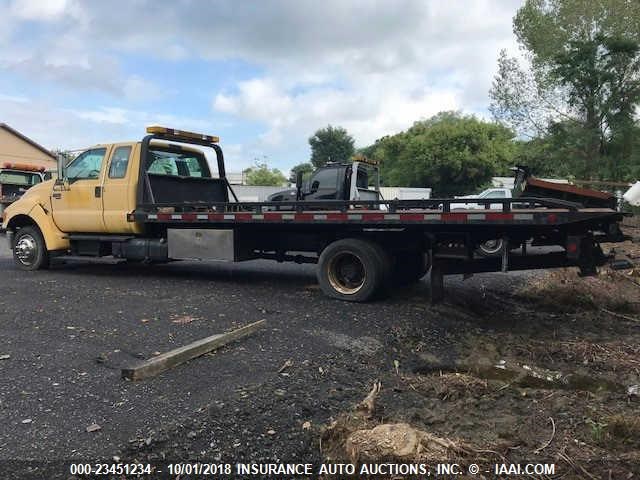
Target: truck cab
{"points": [[358, 180], [96, 193]]}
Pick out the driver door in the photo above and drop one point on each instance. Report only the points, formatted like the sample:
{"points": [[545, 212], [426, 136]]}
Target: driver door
{"points": [[77, 207], [324, 184]]}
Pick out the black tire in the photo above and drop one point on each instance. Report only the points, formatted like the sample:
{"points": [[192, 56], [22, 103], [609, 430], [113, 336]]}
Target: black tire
{"points": [[352, 269], [491, 248], [29, 250], [410, 267]]}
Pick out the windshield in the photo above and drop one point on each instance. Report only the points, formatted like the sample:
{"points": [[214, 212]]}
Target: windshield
{"points": [[19, 178], [183, 164]]}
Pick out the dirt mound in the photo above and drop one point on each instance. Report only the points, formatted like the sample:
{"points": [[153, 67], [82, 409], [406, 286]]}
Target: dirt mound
{"points": [[398, 442]]}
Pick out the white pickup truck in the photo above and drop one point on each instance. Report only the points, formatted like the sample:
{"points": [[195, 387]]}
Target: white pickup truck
{"points": [[490, 248], [489, 193]]}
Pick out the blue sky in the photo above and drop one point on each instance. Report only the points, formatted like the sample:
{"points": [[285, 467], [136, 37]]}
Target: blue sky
{"points": [[261, 75]]}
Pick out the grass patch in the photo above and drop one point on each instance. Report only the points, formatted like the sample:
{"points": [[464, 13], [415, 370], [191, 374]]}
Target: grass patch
{"points": [[564, 291], [624, 428]]}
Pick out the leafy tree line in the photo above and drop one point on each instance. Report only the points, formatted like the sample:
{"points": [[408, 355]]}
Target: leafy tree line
{"points": [[576, 95], [450, 153], [260, 174], [566, 108]]}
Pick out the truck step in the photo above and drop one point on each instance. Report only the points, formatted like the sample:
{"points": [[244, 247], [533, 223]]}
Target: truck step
{"points": [[86, 259], [99, 238]]}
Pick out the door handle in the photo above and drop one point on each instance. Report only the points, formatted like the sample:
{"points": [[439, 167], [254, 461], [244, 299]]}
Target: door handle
{"points": [[57, 196], [98, 192]]}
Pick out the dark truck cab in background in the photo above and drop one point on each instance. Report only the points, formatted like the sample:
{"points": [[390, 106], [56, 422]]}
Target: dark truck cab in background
{"points": [[358, 180]]}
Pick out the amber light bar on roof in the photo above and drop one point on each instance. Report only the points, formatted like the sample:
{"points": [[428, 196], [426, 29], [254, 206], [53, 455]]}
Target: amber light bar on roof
{"points": [[22, 166], [364, 159], [155, 129]]}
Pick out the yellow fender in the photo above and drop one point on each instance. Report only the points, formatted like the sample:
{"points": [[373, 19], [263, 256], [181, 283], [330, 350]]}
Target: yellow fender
{"points": [[54, 239]]}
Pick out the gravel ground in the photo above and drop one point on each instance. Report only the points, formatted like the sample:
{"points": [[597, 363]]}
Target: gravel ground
{"points": [[65, 333], [70, 329]]}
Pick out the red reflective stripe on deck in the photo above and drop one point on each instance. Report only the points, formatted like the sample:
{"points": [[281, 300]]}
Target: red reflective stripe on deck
{"points": [[164, 217], [272, 216], [305, 217], [216, 216], [337, 216], [373, 217], [454, 217], [244, 216], [552, 218], [499, 216], [412, 217], [189, 217]]}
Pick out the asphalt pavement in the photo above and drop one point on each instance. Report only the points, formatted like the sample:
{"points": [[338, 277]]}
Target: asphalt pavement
{"points": [[66, 332]]}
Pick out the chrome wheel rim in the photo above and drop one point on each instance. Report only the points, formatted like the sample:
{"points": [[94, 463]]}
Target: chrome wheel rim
{"points": [[346, 273], [491, 246], [26, 249]]}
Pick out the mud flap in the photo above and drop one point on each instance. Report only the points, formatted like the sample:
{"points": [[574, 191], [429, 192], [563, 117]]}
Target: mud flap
{"points": [[436, 283], [587, 254]]}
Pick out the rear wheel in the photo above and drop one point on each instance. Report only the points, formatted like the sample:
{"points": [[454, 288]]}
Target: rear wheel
{"points": [[352, 269], [491, 248], [29, 249]]}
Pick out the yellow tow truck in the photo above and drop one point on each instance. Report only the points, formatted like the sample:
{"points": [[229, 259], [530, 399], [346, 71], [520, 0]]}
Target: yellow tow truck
{"points": [[158, 200]]}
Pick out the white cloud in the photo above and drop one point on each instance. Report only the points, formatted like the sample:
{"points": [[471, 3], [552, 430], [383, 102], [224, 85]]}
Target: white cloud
{"points": [[137, 88], [104, 115], [368, 112], [373, 67], [375, 72], [13, 98], [39, 10]]}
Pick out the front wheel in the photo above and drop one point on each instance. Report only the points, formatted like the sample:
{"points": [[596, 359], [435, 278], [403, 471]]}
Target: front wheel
{"points": [[29, 249], [352, 269]]}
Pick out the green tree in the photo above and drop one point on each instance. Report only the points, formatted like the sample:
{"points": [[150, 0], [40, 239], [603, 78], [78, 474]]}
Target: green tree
{"points": [[331, 144], [584, 75], [261, 175], [450, 152], [306, 169]]}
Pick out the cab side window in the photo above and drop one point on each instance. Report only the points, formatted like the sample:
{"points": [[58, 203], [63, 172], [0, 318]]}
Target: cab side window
{"points": [[119, 162], [87, 165]]}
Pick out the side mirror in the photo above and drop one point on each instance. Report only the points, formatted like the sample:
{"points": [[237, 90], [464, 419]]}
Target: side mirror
{"points": [[299, 186], [314, 186], [60, 169], [61, 179]]}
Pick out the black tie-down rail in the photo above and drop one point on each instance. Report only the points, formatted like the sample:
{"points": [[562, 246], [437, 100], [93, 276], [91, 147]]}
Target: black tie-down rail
{"points": [[391, 206]]}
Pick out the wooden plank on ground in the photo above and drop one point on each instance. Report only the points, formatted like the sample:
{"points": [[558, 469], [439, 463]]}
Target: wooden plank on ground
{"points": [[172, 358]]}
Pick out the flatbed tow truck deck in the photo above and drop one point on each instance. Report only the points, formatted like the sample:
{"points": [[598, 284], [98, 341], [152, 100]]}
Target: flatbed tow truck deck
{"points": [[363, 247]]}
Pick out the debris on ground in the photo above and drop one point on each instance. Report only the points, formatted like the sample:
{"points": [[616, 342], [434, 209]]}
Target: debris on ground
{"points": [[285, 365], [368, 404], [398, 442]]}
